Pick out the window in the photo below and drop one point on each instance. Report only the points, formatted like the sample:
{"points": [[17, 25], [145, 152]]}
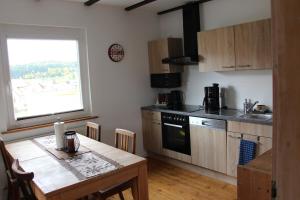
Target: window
{"points": [[45, 73]]}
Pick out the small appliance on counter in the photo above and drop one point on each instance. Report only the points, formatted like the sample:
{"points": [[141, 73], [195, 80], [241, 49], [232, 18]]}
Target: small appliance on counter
{"points": [[175, 99], [214, 98], [211, 100]]}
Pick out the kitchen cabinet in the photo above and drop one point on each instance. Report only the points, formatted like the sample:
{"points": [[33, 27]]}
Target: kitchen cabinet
{"points": [[261, 134], [208, 145], [240, 47], [250, 128], [164, 48], [233, 151], [253, 45], [152, 134], [216, 50]]}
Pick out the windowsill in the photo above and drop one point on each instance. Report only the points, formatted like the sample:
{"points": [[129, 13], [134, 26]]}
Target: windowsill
{"points": [[46, 125]]}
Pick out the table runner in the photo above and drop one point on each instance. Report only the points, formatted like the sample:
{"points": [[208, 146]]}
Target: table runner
{"points": [[49, 143], [85, 164]]}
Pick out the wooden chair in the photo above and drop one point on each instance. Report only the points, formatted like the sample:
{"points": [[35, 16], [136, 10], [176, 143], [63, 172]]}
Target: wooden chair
{"points": [[93, 131], [123, 138], [23, 180], [13, 191]]}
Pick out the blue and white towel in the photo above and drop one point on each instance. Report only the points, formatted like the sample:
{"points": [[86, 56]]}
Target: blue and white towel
{"points": [[247, 151]]}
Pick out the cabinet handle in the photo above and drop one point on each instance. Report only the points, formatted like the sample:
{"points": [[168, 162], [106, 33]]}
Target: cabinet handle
{"points": [[244, 66], [228, 67], [235, 137]]}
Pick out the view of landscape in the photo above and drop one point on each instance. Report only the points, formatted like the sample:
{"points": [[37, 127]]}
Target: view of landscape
{"points": [[44, 82]]}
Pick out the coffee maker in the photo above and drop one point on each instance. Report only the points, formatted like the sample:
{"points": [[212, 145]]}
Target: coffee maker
{"points": [[211, 99]]}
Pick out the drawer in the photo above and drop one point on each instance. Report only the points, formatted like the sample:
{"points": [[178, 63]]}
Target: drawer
{"points": [[151, 115], [249, 128]]}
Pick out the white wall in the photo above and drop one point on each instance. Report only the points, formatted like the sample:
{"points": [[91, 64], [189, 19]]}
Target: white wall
{"points": [[256, 85], [118, 90]]}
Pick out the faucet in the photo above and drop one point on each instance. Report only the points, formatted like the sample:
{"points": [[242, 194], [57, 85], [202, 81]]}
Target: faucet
{"points": [[248, 106]]}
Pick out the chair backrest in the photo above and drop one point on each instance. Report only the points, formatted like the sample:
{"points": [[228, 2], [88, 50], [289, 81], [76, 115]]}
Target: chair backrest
{"points": [[23, 181], [123, 138], [93, 131], [11, 180], [6, 159]]}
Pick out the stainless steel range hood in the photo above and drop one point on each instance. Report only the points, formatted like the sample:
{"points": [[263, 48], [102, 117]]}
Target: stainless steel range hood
{"points": [[191, 26]]}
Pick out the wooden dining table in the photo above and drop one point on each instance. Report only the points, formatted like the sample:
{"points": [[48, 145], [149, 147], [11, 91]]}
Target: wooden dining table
{"points": [[54, 181]]}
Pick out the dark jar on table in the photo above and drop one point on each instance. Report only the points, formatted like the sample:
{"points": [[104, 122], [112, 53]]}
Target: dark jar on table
{"points": [[71, 142]]}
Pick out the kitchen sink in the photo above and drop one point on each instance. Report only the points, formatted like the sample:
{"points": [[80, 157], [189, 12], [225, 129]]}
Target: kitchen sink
{"points": [[263, 117]]}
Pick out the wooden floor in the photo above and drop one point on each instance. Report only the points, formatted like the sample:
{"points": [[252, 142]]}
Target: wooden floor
{"points": [[167, 182]]}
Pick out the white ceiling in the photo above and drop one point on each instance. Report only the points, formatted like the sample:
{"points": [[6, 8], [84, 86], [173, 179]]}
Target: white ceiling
{"points": [[156, 6]]}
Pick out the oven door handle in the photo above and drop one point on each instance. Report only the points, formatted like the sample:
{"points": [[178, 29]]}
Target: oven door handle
{"points": [[173, 125]]}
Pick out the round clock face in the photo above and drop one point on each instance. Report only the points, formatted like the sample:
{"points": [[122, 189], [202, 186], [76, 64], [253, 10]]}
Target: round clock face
{"points": [[116, 52]]}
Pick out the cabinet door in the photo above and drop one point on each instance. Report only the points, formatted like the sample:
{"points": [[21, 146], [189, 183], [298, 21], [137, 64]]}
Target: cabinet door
{"points": [[264, 145], [208, 148], [233, 149], [147, 125], [233, 152], [157, 51], [253, 45], [164, 48], [155, 141], [216, 50]]}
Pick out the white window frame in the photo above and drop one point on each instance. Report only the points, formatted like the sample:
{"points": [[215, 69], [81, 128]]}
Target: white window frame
{"points": [[46, 33]]}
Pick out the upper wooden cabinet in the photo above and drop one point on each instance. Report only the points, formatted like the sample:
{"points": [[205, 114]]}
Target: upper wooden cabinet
{"points": [[253, 45], [164, 48], [216, 50], [241, 47]]}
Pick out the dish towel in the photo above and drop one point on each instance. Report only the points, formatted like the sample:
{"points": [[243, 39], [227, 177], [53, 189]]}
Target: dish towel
{"points": [[247, 151]]}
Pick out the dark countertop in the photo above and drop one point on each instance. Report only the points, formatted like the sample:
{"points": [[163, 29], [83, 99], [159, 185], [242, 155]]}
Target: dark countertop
{"points": [[223, 114]]}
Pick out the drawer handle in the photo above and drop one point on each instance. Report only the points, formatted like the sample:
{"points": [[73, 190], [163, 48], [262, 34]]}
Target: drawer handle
{"points": [[235, 137], [228, 67], [244, 66]]}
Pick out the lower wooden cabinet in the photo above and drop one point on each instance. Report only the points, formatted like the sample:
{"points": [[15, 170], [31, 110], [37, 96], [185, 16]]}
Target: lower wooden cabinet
{"points": [[155, 138], [210, 148], [152, 133], [233, 151], [251, 132]]}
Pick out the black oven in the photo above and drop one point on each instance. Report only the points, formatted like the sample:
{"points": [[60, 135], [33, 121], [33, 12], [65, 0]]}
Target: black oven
{"points": [[176, 133]]}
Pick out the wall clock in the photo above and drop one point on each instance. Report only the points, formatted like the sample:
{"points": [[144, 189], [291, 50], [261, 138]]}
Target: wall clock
{"points": [[116, 52]]}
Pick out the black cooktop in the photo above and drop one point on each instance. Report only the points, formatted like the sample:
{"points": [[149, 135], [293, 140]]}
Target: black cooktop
{"points": [[183, 108]]}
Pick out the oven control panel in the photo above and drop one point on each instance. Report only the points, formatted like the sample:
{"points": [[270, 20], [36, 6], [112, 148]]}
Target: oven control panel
{"points": [[174, 118]]}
